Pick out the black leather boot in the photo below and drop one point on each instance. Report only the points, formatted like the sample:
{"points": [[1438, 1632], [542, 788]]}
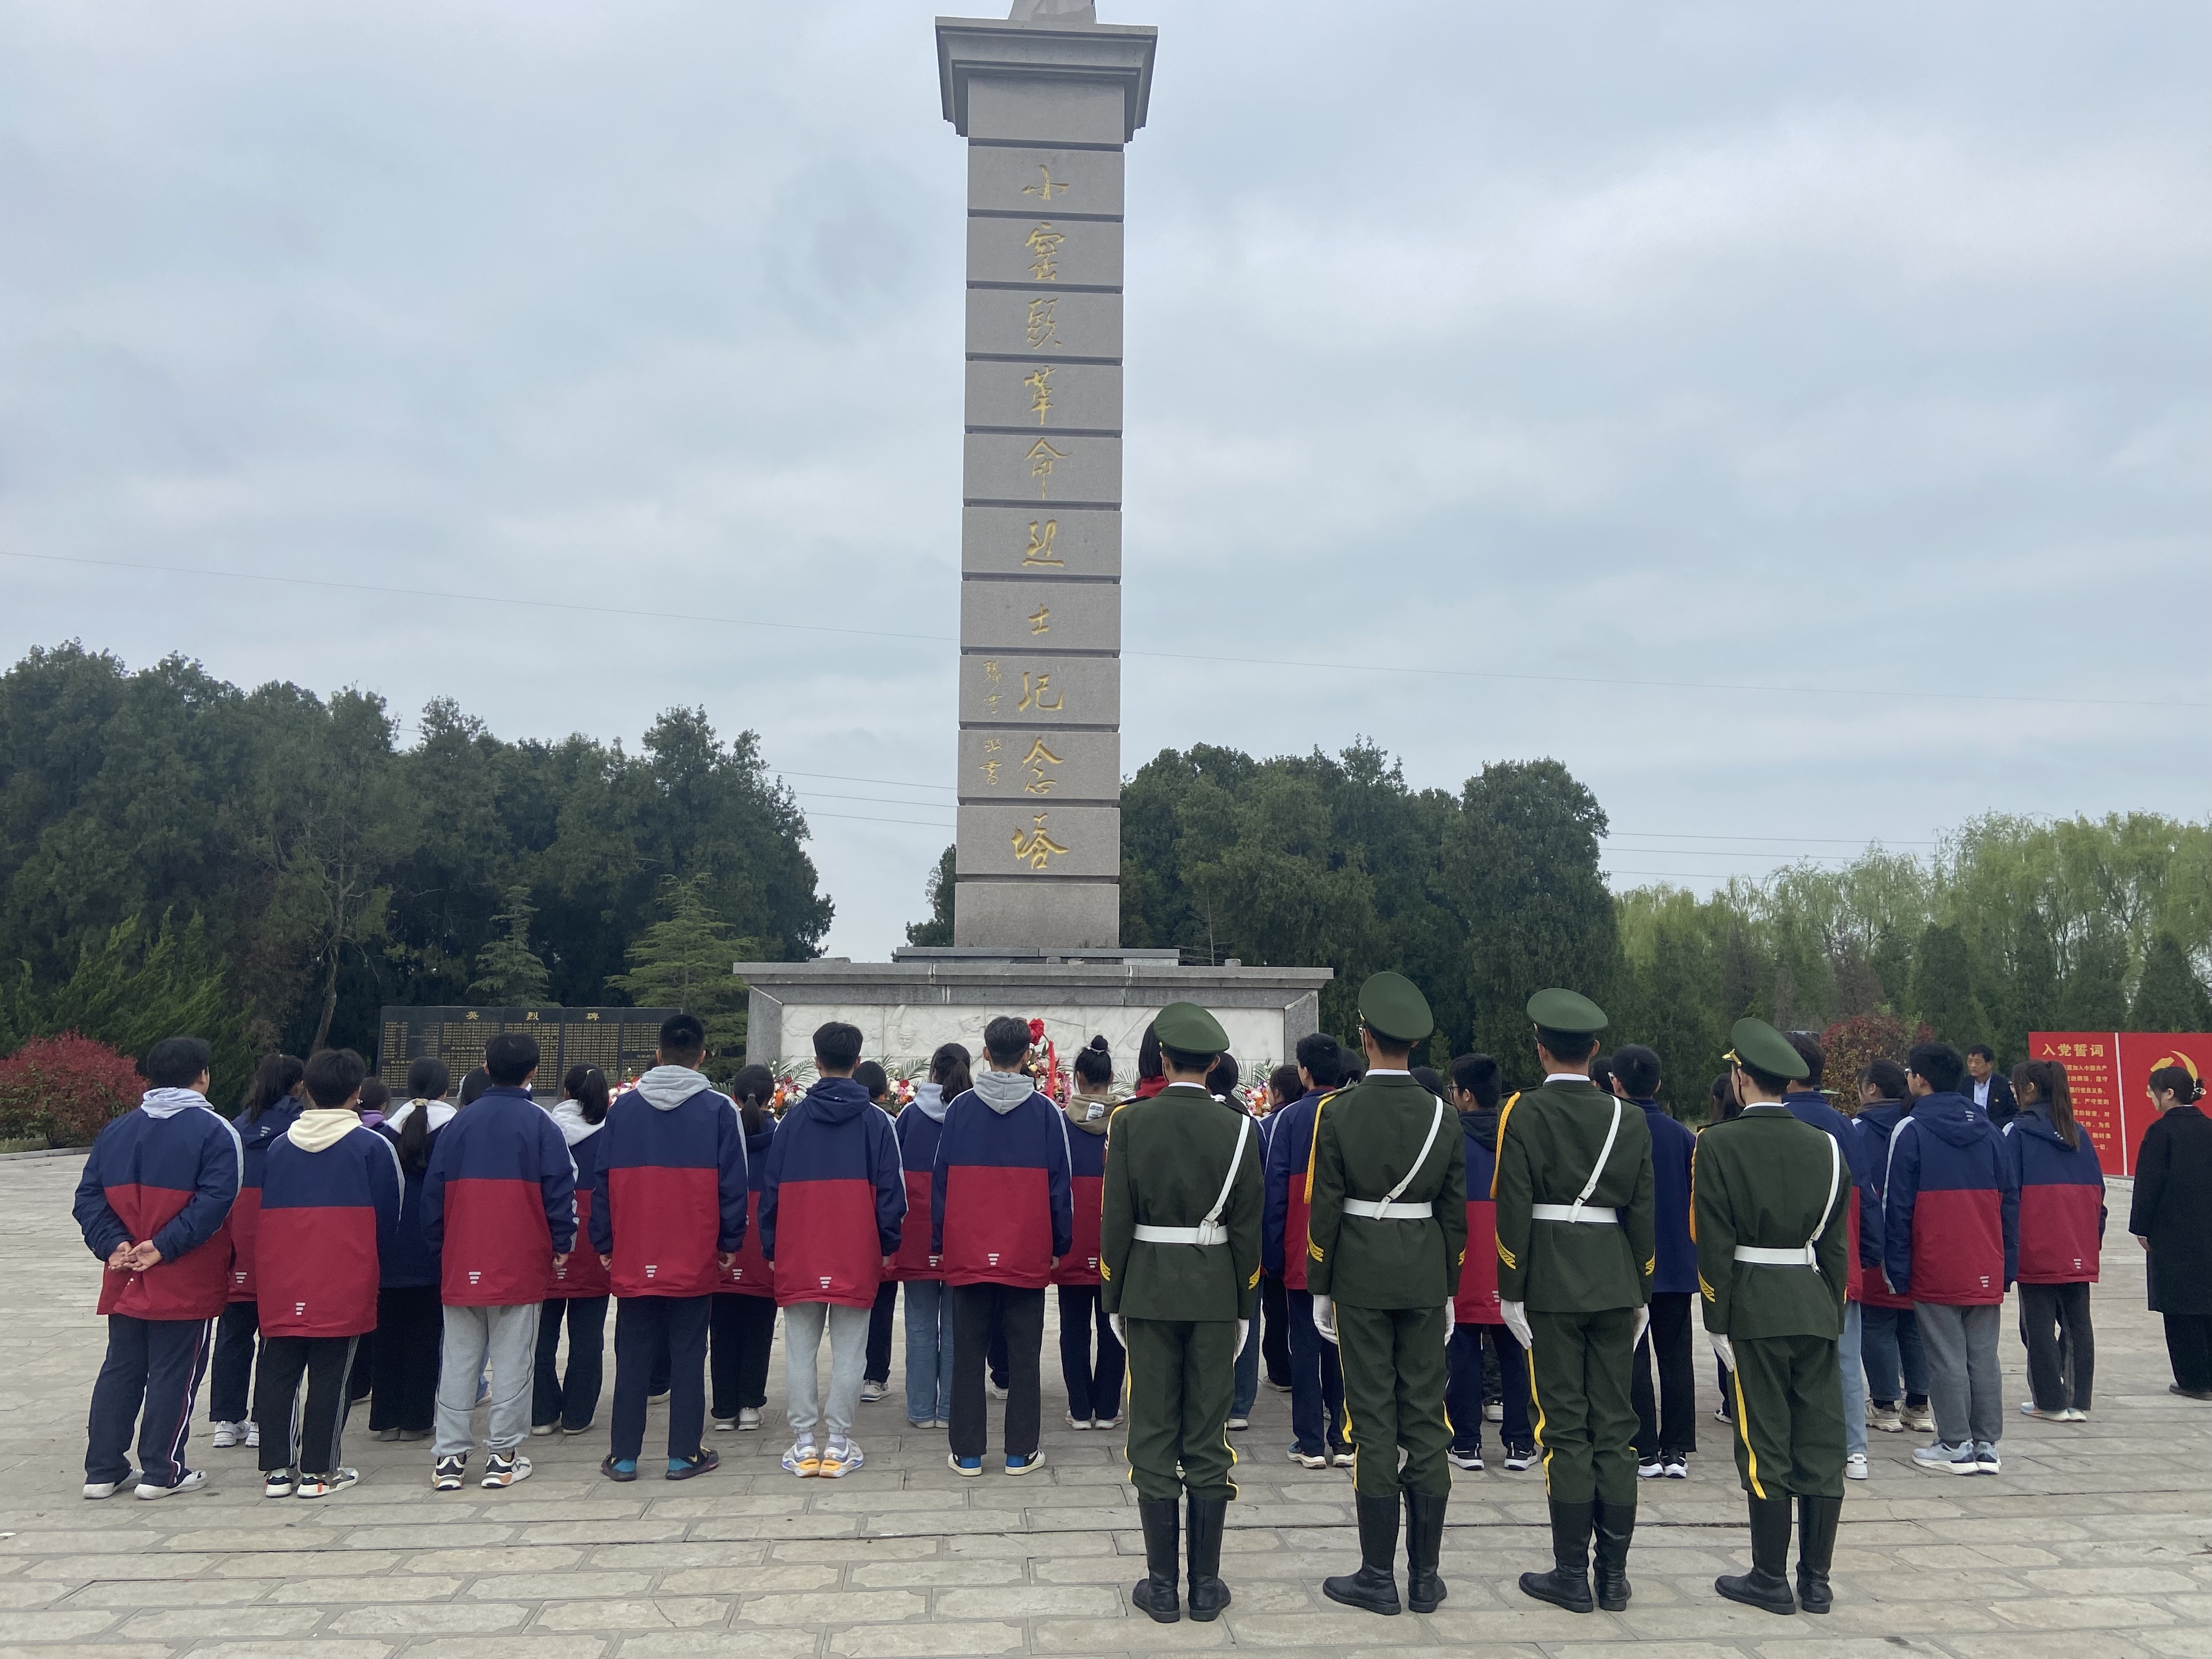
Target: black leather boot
{"points": [[1208, 1595], [1616, 1525], [1156, 1591], [1375, 1586], [1424, 1539], [1767, 1584], [1817, 1520], [1567, 1585]]}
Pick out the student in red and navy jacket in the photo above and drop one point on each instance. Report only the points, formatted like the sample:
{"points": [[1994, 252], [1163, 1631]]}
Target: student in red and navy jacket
{"points": [[2062, 1233], [929, 1304], [1951, 1241], [668, 1213], [742, 1322], [1094, 1386], [272, 1105], [576, 1290], [1317, 1379], [1896, 1369], [499, 1205], [1002, 1215], [1476, 1088], [156, 1191], [410, 1318], [330, 1202], [831, 1209]]}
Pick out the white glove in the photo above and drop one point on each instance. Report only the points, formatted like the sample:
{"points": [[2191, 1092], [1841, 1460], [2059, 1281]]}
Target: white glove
{"points": [[1642, 1324], [1451, 1322], [1325, 1319], [1516, 1320], [1724, 1348], [1114, 1324], [1244, 1333]]}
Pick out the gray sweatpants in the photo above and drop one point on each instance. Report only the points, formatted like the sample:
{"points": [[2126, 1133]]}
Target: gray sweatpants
{"points": [[803, 1323], [1963, 1383], [508, 1336]]}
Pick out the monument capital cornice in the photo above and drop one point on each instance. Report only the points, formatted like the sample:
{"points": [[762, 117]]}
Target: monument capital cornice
{"points": [[1096, 54]]}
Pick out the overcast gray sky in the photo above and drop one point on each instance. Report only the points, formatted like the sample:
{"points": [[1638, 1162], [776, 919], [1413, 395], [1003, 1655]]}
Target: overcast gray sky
{"points": [[1856, 347]]}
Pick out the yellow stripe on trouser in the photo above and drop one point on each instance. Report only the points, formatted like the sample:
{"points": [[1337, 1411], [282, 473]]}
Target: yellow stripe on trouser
{"points": [[1536, 1399], [1743, 1428]]}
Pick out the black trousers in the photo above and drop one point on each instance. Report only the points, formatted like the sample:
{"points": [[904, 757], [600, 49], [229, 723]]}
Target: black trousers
{"points": [[304, 1434], [2062, 1349], [651, 1332], [230, 1385], [410, 1326], [155, 1364], [2189, 1347], [1094, 1385], [879, 1368], [362, 1377], [1474, 1348], [1020, 1314], [744, 1335], [572, 1401], [1670, 1423], [1275, 1330]]}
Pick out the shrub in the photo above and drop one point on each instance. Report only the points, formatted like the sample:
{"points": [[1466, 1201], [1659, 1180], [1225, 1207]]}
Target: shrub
{"points": [[65, 1089], [1851, 1043]]}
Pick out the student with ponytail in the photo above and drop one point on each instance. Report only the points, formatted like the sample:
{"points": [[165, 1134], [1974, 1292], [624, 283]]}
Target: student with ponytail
{"points": [[2062, 1229], [408, 1318], [576, 1288], [2174, 1194], [741, 1324], [272, 1105]]}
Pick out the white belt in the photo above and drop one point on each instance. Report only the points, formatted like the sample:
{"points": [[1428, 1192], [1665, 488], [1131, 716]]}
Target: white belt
{"points": [[1206, 1233], [1759, 1256], [1381, 1209], [1589, 1212]]}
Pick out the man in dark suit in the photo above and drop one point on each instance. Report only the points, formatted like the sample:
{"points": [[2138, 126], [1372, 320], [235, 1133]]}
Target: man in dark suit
{"points": [[1989, 1089]]}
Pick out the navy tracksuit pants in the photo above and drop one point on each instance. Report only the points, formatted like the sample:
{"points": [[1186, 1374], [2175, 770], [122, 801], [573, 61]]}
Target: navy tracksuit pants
{"points": [[148, 1381]]}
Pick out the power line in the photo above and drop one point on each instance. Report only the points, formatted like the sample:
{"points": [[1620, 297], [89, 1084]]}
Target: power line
{"points": [[879, 801], [1905, 694]]}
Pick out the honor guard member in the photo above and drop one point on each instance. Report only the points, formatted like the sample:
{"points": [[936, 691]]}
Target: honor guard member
{"points": [[1386, 1236], [1575, 1260], [1179, 1266], [1772, 1201]]}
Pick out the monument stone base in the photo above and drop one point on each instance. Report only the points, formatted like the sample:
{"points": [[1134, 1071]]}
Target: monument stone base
{"points": [[906, 1007]]}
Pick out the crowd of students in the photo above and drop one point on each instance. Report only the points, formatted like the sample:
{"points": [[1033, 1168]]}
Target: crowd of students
{"points": [[327, 1246]]}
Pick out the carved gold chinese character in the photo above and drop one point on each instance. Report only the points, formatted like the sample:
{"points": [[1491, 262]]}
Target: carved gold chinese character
{"points": [[1044, 327], [1041, 620], [1046, 187], [1036, 760], [1041, 540], [1039, 385], [1033, 848], [991, 670], [1044, 245], [1041, 458], [1034, 698], [991, 745], [991, 771]]}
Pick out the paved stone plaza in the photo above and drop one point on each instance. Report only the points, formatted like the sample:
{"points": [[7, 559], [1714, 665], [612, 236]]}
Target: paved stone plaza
{"points": [[2092, 1545]]}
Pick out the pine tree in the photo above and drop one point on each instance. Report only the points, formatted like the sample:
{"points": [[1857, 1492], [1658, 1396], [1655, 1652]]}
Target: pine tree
{"points": [[684, 962], [938, 894], [509, 973], [2169, 997]]}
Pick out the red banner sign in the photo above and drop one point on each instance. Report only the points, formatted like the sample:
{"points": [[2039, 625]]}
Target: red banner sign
{"points": [[2108, 1075]]}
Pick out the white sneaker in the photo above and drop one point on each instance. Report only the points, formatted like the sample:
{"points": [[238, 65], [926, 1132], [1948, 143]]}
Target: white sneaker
{"points": [[2029, 1408], [505, 1469], [1464, 1460], [725, 1424], [2075, 1414], [749, 1418], [1237, 1423], [1308, 1460], [252, 1434], [1854, 1467], [994, 1390], [1113, 1422], [541, 1430], [1650, 1470], [322, 1486], [98, 1489], [871, 1391], [227, 1434], [193, 1481], [1075, 1422], [1494, 1413]]}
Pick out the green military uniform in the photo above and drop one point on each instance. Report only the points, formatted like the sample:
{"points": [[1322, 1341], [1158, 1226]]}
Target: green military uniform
{"points": [[1386, 1230], [1576, 1231], [1179, 1262], [1771, 1209]]}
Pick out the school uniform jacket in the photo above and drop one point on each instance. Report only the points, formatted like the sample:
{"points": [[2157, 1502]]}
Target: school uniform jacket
{"points": [[749, 1272], [1283, 1220], [1873, 1128], [1086, 1172], [327, 1217], [581, 1274], [1001, 1207], [2062, 1201], [499, 1200], [833, 1199], [918, 1133], [1476, 1304], [167, 1172], [411, 1261], [1865, 1218], [255, 1136], [1674, 1148], [1951, 1222], [669, 1195]]}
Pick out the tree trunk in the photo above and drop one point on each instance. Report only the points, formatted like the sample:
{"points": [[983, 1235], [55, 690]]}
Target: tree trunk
{"points": [[330, 1003]]}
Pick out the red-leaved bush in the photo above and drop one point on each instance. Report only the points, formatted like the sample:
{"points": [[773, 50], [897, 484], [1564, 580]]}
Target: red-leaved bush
{"points": [[65, 1088]]}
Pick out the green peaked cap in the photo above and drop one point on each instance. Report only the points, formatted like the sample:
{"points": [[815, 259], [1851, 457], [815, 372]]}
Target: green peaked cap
{"points": [[1392, 1006], [1186, 1026], [1757, 1043], [1565, 1011]]}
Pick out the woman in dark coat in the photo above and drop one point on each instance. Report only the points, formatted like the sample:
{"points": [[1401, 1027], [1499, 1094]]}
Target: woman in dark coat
{"points": [[2172, 1219]]}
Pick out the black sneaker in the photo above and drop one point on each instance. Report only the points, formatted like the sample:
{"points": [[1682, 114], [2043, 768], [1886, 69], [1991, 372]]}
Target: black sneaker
{"points": [[505, 1468], [449, 1475], [1520, 1457]]}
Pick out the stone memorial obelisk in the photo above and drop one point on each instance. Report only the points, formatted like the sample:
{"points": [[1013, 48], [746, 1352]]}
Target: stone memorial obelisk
{"points": [[1046, 100]]}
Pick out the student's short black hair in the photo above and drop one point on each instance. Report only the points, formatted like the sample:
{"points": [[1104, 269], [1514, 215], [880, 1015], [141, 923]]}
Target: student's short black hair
{"points": [[1323, 1056], [428, 1078], [1886, 1075], [334, 1076], [1148, 1054], [1478, 1075], [1006, 1039], [1223, 1076], [872, 1078], [176, 1062], [1815, 1056], [682, 1034], [836, 1044], [1429, 1079], [1569, 1046], [1938, 1064], [510, 1058], [1635, 1068], [474, 1082], [1601, 1072], [374, 1096], [1984, 1051]]}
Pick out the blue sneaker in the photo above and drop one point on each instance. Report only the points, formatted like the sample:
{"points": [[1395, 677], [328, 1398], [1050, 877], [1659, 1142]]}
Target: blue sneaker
{"points": [[1986, 1460], [614, 1469], [960, 1465], [1956, 1460], [1024, 1465]]}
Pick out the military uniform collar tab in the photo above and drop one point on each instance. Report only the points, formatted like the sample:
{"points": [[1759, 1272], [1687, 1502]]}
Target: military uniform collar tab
{"points": [[1388, 1071], [1770, 1107], [1569, 1077]]}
